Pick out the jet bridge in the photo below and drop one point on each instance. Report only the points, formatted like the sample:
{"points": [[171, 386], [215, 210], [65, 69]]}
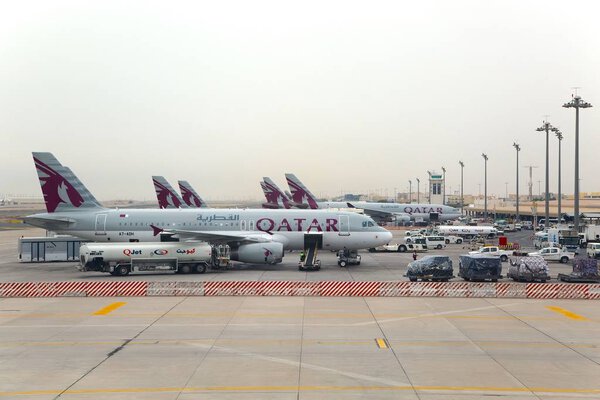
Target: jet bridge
{"points": [[308, 260]]}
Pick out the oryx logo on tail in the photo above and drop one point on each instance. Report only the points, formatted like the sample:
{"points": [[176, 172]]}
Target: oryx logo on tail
{"points": [[166, 196], [56, 189], [189, 195]]}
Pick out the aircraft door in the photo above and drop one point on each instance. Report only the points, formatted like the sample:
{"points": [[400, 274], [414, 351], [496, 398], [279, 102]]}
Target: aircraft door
{"points": [[100, 224], [344, 224]]}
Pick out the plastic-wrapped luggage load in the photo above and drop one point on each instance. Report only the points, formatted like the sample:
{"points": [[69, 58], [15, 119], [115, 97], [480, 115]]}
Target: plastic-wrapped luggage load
{"points": [[585, 267], [475, 267], [435, 268], [584, 270], [529, 269]]}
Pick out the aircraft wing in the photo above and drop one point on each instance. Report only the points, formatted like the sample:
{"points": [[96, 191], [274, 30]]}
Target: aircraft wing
{"points": [[381, 214], [220, 238]]}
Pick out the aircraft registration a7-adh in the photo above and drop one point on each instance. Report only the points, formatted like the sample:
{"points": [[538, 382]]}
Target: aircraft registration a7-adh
{"points": [[254, 235]]}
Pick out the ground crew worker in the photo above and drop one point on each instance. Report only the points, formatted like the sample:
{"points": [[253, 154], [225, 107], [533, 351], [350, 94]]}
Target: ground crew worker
{"points": [[415, 255]]}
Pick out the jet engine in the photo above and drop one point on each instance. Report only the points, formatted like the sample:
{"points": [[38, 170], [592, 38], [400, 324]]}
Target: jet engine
{"points": [[259, 253]]}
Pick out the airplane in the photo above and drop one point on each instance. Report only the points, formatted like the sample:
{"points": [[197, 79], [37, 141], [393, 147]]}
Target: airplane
{"points": [[381, 212], [165, 194], [254, 235], [190, 196], [276, 198]]}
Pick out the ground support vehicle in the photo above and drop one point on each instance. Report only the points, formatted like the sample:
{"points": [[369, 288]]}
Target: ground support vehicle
{"points": [[528, 269], [49, 248], [492, 251], [120, 259], [557, 254], [585, 270], [593, 250], [466, 231], [400, 248], [308, 258], [453, 239], [591, 233], [348, 257], [431, 268], [220, 258], [479, 268]]}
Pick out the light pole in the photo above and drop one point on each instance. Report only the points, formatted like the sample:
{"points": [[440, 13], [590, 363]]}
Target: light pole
{"points": [[462, 200], [429, 186], [485, 212], [444, 188], [576, 103], [418, 191], [560, 138], [518, 148], [547, 127], [409, 191]]}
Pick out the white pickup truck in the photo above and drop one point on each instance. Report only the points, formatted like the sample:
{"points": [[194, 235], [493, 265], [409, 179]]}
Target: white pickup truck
{"points": [[492, 251], [561, 255]]}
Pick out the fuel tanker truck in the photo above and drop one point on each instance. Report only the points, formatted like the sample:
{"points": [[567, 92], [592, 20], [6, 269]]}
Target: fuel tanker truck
{"points": [[122, 258]]}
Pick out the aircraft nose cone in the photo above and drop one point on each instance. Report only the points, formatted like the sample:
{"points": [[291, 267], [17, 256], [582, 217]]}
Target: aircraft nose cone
{"points": [[385, 237]]}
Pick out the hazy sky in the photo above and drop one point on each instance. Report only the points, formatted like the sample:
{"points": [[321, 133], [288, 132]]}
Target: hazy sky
{"points": [[348, 95]]}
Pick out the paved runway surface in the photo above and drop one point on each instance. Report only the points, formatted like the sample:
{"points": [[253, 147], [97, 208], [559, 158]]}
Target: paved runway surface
{"points": [[298, 348], [374, 266]]}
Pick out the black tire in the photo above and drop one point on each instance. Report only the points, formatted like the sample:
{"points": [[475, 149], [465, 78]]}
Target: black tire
{"points": [[122, 270], [447, 241], [358, 263], [343, 264], [372, 250], [564, 259], [409, 240], [185, 268], [458, 241], [439, 247], [413, 279], [494, 280], [200, 268], [402, 248], [503, 258]]}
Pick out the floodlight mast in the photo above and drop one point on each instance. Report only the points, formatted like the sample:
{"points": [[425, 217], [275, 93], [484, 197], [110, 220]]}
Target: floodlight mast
{"points": [[547, 127], [518, 149], [485, 210], [559, 135], [576, 103], [444, 188], [462, 200]]}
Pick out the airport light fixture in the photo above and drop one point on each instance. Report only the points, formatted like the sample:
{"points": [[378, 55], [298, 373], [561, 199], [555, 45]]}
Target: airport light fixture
{"points": [[418, 191], [485, 210], [444, 188], [409, 191], [547, 127], [518, 149], [576, 103], [559, 135], [462, 200]]}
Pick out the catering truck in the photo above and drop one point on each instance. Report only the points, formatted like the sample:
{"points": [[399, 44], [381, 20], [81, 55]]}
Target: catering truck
{"points": [[122, 258]]}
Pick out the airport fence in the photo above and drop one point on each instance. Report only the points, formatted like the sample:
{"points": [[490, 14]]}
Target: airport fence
{"points": [[302, 288]]}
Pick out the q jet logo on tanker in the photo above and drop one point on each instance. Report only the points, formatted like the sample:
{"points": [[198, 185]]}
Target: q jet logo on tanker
{"points": [[129, 252]]}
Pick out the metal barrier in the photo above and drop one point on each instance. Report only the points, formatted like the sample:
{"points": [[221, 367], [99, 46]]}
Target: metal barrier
{"points": [[302, 288]]}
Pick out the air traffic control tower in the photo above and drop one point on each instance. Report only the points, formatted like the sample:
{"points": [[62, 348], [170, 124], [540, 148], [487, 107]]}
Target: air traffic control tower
{"points": [[436, 188]]}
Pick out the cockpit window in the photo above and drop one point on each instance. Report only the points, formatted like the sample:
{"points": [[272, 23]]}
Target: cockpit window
{"points": [[371, 224], [364, 224]]}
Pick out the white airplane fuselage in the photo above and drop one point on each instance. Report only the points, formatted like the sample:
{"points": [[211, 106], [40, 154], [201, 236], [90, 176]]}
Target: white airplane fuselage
{"points": [[338, 229]]}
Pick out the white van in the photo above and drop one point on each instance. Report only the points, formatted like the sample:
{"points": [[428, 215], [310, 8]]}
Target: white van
{"points": [[593, 250], [435, 242]]}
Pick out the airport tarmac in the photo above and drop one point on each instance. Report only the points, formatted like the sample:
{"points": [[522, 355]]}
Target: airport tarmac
{"points": [[374, 266], [298, 348]]}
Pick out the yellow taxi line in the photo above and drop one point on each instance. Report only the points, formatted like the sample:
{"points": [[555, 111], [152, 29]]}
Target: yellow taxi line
{"points": [[567, 313], [110, 308]]}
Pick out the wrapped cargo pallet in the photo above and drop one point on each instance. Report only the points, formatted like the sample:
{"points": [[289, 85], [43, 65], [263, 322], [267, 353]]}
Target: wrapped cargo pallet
{"points": [[584, 270], [475, 267], [529, 269], [435, 268]]}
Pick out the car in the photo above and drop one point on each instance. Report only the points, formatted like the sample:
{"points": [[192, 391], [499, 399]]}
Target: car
{"points": [[453, 239]]}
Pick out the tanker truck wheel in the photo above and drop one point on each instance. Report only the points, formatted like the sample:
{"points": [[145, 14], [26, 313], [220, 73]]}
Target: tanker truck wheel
{"points": [[122, 270], [200, 268], [185, 268]]}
